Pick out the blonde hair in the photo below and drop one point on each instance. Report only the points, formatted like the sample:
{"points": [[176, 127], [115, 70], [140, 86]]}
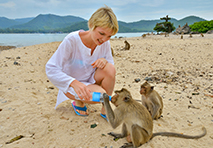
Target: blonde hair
{"points": [[104, 17]]}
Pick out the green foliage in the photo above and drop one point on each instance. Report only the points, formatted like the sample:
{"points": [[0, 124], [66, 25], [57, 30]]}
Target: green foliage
{"points": [[164, 26], [165, 18], [202, 26]]}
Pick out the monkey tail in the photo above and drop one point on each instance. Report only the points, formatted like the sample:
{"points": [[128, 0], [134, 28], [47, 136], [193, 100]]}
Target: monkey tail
{"points": [[171, 134]]}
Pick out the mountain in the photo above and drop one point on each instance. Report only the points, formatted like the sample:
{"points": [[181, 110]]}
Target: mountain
{"points": [[53, 23], [24, 20], [148, 25], [143, 25], [49, 22], [190, 20]]}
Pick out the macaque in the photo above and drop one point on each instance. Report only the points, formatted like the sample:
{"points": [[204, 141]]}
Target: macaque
{"points": [[127, 46], [112, 52], [144, 35], [137, 122], [182, 35], [151, 100]]}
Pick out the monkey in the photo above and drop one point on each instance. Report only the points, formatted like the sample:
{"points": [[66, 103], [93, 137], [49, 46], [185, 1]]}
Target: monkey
{"points": [[202, 35], [137, 122], [112, 52], [127, 45], [190, 35], [151, 100], [144, 35], [181, 37]]}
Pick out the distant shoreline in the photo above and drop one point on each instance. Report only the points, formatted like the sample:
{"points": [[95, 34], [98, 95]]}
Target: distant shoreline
{"points": [[24, 43], [6, 47]]}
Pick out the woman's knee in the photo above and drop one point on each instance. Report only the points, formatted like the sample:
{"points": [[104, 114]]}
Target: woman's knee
{"points": [[110, 70]]}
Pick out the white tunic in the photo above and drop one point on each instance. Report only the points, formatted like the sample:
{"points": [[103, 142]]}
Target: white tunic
{"points": [[72, 61]]}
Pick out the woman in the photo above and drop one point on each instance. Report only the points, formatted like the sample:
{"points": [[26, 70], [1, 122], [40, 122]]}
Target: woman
{"points": [[83, 62]]}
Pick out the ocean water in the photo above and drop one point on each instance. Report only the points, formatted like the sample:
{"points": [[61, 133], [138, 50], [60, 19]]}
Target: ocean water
{"points": [[20, 40]]}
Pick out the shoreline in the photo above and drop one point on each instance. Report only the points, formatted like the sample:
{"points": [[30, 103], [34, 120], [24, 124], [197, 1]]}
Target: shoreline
{"points": [[41, 38]]}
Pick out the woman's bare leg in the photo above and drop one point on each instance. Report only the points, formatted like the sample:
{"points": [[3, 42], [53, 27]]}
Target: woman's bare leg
{"points": [[105, 81]]}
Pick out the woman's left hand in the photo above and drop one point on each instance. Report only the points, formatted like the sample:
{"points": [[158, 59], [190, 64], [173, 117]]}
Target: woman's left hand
{"points": [[100, 63]]}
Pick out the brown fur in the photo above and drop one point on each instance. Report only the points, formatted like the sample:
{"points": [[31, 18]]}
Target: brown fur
{"points": [[151, 100], [137, 122]]}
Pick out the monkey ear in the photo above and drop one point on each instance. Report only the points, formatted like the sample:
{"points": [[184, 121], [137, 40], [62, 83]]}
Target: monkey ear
{"points": [[126, 99]]}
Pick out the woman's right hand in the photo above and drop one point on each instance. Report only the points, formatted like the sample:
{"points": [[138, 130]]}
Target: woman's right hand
{"points": [[81, 90]]}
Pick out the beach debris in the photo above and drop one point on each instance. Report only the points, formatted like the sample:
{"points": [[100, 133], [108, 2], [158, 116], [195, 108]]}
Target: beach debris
{"points": [[0, 109], [6, 47], [192, 106], [93, 125], [137, 80], [195, 93], [16, 63], [50, 87], [148, 78], [116, 139], [208, 95], [15, 139], [62, 117], [8, 58], [18, 57]]}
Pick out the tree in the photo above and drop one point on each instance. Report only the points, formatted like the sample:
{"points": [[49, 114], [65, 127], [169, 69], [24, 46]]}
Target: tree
{"points": [[164, 26], [202, 26]]}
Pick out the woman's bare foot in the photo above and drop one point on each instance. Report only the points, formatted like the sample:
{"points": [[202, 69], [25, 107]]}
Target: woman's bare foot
{"points": [[81, 104]]}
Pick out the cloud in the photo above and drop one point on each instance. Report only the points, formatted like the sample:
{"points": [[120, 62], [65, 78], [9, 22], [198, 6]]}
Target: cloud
{"points": [[8, 4]]}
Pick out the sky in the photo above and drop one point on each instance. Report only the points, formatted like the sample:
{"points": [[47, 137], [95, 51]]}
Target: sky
{"points": [[125, 10]]}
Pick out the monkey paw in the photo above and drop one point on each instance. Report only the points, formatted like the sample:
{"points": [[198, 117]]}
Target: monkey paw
{"points": [[106, 97]]}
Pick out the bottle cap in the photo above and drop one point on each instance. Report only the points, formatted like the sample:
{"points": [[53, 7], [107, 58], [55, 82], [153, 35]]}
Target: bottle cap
{"points": [[110, 98]]}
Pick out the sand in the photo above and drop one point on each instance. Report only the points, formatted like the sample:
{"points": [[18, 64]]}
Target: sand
{"points": [[180, 69]]}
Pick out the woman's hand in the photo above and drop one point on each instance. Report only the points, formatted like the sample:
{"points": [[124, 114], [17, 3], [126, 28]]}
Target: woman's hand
{"points": [[100, 63], [81, 90]]}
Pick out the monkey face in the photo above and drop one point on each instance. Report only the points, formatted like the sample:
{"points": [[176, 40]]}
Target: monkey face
{"points": [[145, 88], [121, 96], [142, 90]]}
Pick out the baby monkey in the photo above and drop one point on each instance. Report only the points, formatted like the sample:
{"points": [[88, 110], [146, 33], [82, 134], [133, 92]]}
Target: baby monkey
{"points": [[137, 122], [151, 100]]}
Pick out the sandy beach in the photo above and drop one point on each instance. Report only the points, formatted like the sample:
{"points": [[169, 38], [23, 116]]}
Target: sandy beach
{"points": [[180, 69]]}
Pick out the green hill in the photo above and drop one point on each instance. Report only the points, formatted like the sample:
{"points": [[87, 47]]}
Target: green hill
{"points": [[49, 22], [190, 20], [54, 23], [6, 23]]}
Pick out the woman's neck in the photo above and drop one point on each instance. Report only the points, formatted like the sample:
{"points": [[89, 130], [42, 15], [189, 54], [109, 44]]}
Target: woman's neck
{"points": [[87, 40]]}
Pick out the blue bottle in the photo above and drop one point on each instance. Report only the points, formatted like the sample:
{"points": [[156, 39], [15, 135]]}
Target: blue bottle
{"points": [[96, 97]]}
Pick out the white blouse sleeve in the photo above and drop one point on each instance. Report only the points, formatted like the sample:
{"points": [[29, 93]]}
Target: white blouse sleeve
{"points": [[54, 67]]}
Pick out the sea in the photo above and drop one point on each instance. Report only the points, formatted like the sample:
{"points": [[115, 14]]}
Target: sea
{"points": [[21, 40]]}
